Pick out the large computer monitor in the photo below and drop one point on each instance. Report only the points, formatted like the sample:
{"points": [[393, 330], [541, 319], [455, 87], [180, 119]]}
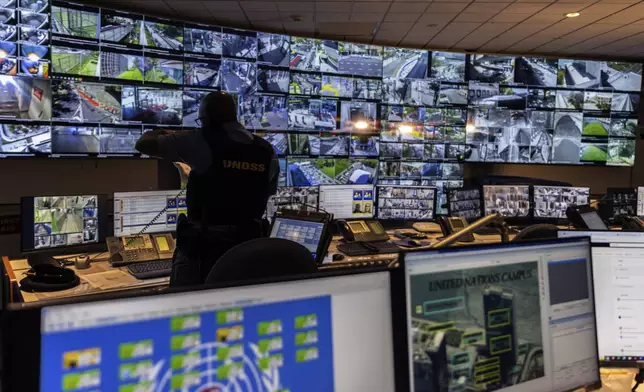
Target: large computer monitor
{"points": [[510, 201], [551, 202], [513, 317], [640, 201], [617, 272], [465, 203], [293, 198], [59, 224], [317, 334], [135, 211], [417, 203], [348, 201]]}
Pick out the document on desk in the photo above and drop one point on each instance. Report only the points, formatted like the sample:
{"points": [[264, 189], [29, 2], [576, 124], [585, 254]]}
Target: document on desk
{"points": [[110, 280]]}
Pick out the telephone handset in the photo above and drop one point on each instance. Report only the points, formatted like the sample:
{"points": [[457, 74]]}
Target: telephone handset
{"points": [[118, 248], [363, 231], [450, 225], [140, 247]]}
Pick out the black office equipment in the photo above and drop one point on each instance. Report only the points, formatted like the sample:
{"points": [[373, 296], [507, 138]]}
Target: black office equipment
{"points": [[450, 225], [310, 229], [585, 217], [262, 258], [47, 278], [57, 225], [367, 248], [363, 231], [479, 318], [151, 269], [541, 231]]}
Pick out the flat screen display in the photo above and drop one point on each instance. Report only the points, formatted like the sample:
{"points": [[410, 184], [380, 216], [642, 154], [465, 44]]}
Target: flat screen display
{"points": [[510, 201]]}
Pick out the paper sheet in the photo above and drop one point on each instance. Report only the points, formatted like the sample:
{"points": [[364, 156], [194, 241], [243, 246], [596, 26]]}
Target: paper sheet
{"points": [[110, 280]]}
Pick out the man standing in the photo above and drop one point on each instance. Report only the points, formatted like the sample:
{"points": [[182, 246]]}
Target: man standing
{"points": [[233, 173]]}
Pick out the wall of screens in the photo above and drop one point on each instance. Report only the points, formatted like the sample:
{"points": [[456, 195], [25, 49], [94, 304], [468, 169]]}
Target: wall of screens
{"points": [[83, 81]]}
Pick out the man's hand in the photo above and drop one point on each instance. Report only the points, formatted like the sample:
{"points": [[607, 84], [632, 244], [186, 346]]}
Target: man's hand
{"points": [[148, 143], [184, 173]]}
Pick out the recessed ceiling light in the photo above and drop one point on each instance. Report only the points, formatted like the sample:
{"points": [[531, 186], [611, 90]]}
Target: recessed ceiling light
{"points": [[572, 14]]}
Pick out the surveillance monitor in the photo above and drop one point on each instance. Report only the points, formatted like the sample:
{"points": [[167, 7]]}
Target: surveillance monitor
{"points": [[510, 201], [551, 202]]}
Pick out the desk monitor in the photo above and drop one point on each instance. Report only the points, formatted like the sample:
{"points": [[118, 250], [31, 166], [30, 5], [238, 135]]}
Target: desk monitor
{"points": [[510, 201], [310, 234], [416, 203], [133, 211], [640, 201], [59, 224], [348, 201], [617, 274], [621, 201], [317, 334], [293, 198], [464, 203], [513, 317], [551, 202], [592, 219]]}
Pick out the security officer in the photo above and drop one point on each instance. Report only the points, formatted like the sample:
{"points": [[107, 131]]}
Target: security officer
{"points": [[233, 173]]}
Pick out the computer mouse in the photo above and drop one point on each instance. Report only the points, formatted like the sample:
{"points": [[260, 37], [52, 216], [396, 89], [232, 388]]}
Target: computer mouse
{"points": [[338, 257], [414, 243]]}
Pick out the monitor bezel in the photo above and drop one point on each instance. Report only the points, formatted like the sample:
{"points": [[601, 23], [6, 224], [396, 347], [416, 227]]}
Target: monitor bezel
{"points": [[544, 219], [27, 218], [401, 294], [512, 220], [21, 324], [393, 222]]}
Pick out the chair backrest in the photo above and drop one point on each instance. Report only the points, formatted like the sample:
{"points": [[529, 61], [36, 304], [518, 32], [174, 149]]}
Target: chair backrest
{"points": [[543, 231], [262, 258]]}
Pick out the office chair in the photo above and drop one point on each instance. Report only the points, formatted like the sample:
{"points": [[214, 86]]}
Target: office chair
{"points": [[262, 258], [543, 231]]}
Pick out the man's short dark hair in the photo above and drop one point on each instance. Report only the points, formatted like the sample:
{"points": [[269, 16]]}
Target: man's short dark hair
{"points": [[217, 108]]}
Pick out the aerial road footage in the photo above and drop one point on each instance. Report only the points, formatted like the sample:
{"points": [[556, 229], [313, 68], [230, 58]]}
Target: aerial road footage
{"points": [[63, 221]]}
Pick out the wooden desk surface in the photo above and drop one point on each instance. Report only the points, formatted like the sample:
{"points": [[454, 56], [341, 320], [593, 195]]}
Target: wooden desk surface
{"points": [[100, 277]]}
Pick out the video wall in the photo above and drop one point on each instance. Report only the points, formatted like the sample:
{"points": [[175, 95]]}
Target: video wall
{"points": [[82, 81]]}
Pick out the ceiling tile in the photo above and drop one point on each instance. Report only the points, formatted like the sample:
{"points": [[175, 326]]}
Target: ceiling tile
{"points": [[446, 7], [544, 18], [222, 5], [333, 6], [483, 34], [370, 7], [296, 6], [275, 27], [258, 6], [564, 8], [151, 6], [395, 26], [303, 17], [187, 5], [408, 7], [606, 38], [367, 16], [299, 28], [628, 15], [494, 1], [347, 28], [453, 33], [363, 38], [417, 42], [230, 17], [486, 7], [536, 1], [452, 1], [332, 17], [524, 8], [604, 9], [432, 18], [516, 34], [473, 17], [509, 18], [620, 1], [401, 17], [264, 15]]}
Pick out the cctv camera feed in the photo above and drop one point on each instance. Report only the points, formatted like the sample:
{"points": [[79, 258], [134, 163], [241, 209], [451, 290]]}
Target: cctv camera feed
{"points": [[553, 201], [406, 203], [65, 221], [86, 102], [474, 329], [293, 198], [24, 138], [510, 201], [541, 110], [465, 203]]}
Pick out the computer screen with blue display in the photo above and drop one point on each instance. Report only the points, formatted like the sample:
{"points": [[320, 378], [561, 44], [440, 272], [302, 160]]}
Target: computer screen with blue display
{"points": [[277, 337], [502, 318], [303, 232]]}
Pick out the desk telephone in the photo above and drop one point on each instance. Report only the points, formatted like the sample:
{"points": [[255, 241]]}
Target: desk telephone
{"points": [[363, 231], [140, 248], [630, 223]]}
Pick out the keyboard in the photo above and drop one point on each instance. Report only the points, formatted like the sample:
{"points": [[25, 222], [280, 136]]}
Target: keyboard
{"points": [[360, 249], [151, 269]]}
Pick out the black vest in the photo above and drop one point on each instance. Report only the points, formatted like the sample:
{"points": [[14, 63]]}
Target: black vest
{"points": [[235, 189]]}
